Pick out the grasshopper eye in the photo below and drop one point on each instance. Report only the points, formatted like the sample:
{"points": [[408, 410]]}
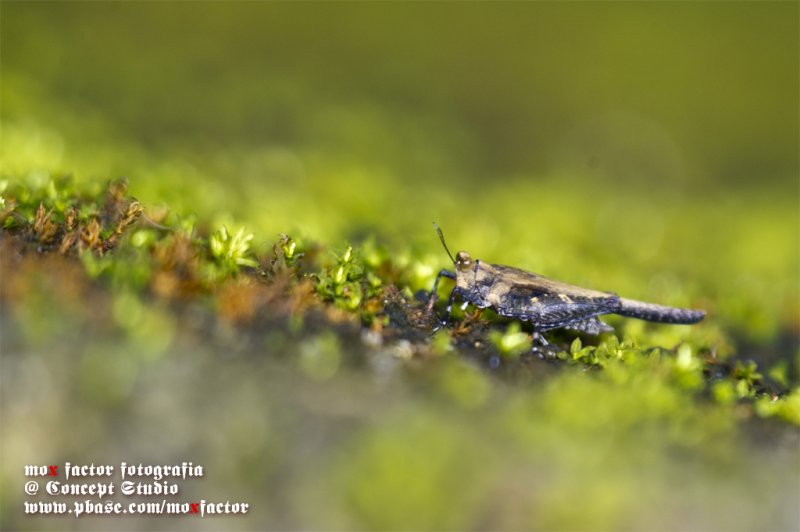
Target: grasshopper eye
{"points": [[463, 260]]}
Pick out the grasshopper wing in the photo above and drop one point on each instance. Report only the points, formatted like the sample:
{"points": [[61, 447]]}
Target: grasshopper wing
{"points": [[550, 304]]}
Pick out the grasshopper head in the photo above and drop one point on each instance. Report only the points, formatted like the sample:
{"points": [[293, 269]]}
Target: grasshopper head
{"points": [[463, 261]]}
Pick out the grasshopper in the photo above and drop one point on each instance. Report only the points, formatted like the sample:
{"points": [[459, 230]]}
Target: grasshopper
{"points": [[545, 303]]}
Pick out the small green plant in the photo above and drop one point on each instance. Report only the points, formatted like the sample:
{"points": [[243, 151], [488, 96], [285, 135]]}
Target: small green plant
{"points": [[348, 283], [231, 251], [342, 281], [285, 256], [608, 351], [747, 379]]}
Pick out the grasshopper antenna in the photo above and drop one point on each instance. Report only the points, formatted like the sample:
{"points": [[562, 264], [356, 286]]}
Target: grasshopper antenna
{"points": [[441, 237]]}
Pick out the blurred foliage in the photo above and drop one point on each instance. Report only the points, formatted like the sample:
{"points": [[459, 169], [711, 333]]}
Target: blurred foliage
{"points": [[512, 342], [649, 149]]}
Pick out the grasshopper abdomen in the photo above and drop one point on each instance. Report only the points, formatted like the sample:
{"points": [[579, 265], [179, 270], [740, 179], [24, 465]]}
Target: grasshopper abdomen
{"points": [[658, 313]]}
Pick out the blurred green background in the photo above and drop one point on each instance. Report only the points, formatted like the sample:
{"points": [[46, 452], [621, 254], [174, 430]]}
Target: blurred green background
{"points": [[646, 148]]}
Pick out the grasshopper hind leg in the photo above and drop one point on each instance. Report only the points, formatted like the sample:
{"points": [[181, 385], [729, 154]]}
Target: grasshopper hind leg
{"points": [[591, 326]]}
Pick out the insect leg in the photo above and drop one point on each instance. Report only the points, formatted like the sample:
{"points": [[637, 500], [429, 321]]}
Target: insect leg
{"points": [[444, 322], [537, 340], [434, 294], [450, 306], [543, 341]]}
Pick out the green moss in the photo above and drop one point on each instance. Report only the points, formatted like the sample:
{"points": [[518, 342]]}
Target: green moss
{"points": [[352, 284], [512, 342], [786, 407], [132, 257], [231, 251]]}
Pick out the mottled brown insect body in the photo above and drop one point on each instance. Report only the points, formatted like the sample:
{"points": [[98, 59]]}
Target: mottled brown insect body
{"points": [[546, 303]]}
